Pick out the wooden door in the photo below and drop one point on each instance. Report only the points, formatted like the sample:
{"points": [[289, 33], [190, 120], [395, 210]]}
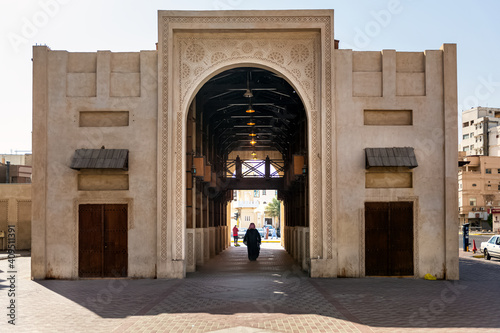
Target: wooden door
{"points": [[115, 241], [389, 238], [401, 238], [102, 240]]}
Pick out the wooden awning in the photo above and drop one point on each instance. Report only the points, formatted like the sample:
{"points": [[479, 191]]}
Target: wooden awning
{"points": [[391, 157], [100, 159]]}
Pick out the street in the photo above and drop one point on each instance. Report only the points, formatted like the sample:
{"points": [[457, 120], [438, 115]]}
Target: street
{"points": [[477, 237]]}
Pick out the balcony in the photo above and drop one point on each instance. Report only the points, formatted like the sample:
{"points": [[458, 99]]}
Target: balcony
{"points": [[246, 204]]}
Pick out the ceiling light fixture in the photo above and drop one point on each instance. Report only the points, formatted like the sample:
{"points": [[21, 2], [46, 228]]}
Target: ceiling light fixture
{"points": [[254, 153], [252, 134], [253, 142], [248, 93], [251, 122]]}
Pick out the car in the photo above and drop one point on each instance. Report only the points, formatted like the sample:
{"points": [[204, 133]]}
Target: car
{"points": [[242, 232], [262, 232], [491, 248]]}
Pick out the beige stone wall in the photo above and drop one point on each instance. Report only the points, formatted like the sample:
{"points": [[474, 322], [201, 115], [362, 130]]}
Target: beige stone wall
{"points": [[15, 209], [398, 99], [92, 100], [353, 100]]}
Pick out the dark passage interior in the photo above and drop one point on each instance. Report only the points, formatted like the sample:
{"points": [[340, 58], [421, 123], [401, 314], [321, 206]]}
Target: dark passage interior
{"points": [[246, 129]]}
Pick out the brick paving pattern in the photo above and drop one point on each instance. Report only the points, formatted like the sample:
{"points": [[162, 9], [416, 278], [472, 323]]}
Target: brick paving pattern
{"points": [[231, 294]]}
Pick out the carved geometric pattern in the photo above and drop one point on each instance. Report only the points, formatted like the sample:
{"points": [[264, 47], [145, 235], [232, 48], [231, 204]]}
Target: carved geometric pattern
{"points": [[195, 53], [317, 241], [202, 52], [300, 53], [329, 161], [291, 57], [179, 207], [164, 147]]}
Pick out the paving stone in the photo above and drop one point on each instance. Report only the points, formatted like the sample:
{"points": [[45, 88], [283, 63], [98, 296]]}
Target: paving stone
{"points": [[231, 294]]}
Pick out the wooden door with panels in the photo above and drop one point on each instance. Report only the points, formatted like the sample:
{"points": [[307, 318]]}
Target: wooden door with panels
{"points": [[389, 238], [102, 240]]}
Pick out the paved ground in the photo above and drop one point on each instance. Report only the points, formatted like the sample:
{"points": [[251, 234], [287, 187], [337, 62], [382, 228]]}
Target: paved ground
{"points": [[231, 294]]}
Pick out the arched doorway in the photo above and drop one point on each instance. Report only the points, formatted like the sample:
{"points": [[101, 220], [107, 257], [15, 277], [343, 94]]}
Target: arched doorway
{"points": [[193, 50], [246, 129]]}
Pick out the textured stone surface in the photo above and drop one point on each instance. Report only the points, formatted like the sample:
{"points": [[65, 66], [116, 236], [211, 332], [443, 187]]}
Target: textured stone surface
{"points": [[231, 294]]}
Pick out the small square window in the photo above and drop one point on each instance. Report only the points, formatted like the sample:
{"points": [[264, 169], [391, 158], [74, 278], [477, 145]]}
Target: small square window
{"points": [[488, 170], [474, 185]]}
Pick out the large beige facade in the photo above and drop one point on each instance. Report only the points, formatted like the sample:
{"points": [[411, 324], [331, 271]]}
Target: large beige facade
{"points": [[141, 102]]}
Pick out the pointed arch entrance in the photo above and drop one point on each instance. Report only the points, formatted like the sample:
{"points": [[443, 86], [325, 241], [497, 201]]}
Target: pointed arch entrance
{"points": [[192, 50]]}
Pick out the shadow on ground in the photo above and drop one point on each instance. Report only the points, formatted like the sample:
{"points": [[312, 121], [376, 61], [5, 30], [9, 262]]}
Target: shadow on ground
{"points": [[274, 287]]}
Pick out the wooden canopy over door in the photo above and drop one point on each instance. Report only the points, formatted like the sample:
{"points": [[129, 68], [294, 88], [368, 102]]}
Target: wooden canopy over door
{"points": [[102, 240], [388, 238]]}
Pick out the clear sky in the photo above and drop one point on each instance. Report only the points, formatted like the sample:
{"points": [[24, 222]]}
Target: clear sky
{"points": [[126, 25]]}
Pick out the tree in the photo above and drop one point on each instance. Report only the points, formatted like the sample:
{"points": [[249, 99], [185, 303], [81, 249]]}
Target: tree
{"points": [[273, 209]]}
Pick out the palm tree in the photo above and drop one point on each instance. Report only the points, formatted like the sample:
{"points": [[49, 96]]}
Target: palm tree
{"points": [[273, 209]]}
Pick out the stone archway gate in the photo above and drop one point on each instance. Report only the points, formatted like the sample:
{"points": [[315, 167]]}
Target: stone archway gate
{"points": [[195, 46]]}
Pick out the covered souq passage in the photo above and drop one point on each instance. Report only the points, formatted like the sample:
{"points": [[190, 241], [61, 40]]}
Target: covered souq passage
{"points": [[246, 129]]}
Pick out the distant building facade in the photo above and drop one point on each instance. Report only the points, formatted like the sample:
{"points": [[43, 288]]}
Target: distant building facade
{"points": [[478, 189], [251, 207], [481, 131]]}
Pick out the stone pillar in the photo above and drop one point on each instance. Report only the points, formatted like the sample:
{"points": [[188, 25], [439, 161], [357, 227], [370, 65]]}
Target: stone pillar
{"points": [[39, 177], [450, 160]]}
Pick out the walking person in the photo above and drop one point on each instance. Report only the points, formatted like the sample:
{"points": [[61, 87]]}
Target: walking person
{"points": [[252, 241], [235, 235]]}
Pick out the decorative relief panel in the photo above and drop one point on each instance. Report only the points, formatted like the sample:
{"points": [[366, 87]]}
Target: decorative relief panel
{"points": [[296, 55], [293, 54]]}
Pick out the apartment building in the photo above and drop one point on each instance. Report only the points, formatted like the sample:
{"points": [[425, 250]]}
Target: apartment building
{"points": [[478, 189], [480, 131]]}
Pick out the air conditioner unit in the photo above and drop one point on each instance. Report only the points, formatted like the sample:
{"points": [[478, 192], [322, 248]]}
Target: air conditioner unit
{"points": [[482, 208], [474, 209]]}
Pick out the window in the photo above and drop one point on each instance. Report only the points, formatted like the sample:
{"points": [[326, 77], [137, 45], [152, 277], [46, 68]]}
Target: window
{"points": [[499, 187], [465, 137], [474, 185], [263, 192], [488, 170], [256, 193], [471, 147], [472, 201], [472, 122], [465, 124], [498, 170], [247, 218], [466, 148]]}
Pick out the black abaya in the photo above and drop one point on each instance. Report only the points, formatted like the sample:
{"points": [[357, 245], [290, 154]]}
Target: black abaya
{"points": [[252, 241]]}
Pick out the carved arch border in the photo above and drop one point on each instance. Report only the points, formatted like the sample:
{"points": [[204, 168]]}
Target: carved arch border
{"points": [[174, 107]]}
